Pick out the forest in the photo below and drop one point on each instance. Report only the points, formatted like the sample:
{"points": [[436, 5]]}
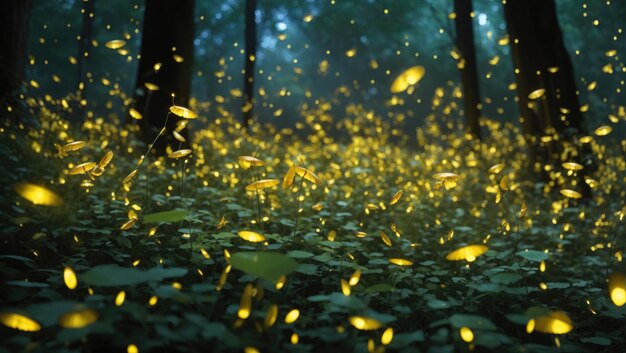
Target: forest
{"points": [[361, 176]]}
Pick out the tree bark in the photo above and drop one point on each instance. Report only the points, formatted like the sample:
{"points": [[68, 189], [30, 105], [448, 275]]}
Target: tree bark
{"points": [[13, 44], [541, 61], [248, 78], [167, 37], [84, 44], [467, 66]]}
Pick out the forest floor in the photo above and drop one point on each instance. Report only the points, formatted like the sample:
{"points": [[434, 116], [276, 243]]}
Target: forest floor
{"points": [[269, 242]]}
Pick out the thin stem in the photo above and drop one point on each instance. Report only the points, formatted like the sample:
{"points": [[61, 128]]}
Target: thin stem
{"points": [[143, 158], [413, 215], [295, 228], [515, 244], [258, 201]]}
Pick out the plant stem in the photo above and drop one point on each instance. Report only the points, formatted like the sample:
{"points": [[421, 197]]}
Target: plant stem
{"points": [[258, 201], [295, 227], [515, 243], [413, 215]]}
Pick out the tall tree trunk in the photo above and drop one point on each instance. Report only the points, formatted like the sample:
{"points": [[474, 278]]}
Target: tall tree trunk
{"points": [[467, 65], [84, 44], [84, 49], [248, 77], [541, 61], [166, 61], [13, 45]]}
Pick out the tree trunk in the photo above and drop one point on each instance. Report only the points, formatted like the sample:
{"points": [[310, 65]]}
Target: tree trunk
{"points": [[541, 61], [467, 65], [13, 45], [166, 61], [248, 78], [84, 44]]}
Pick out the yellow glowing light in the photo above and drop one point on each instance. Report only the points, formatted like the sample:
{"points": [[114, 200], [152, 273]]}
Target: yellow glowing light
{"points": [[271, 316], [78, 318], [572, 194], [407, 78], [115, 44], [245, 305], [308, 175], [19, 322], [496, 168], [555, 322], [38, 195], [364, 323], [251, 236], [536, 94], [262, 184], [572, 166], [468, 253], [396, 197], [69, 277], [179, 154], [292, 316], [345, 287], [617, 289], [387, 336], [183, 112], [466, 334], [401, 262], [120, 298], [603, 130]]}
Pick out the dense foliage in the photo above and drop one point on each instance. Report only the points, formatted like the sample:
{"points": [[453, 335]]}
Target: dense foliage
{"points": [[184, 271]]}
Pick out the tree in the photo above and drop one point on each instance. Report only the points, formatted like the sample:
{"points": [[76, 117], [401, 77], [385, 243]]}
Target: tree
{"points": [[547, 95], [467, 64], [84, 42], [166, 61], [546, 87], [13, 35], [248, 77]]}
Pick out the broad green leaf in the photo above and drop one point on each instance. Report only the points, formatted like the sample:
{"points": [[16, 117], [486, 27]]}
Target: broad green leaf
{"points": [[402, 340], [266, 265], [601, 341], [471, 321], [299, 254], [16, 257], [47, 314], [27, 284], [506, 278], [166, 216], [339, 299], [380, 287], [533, 255], [114, 275]]}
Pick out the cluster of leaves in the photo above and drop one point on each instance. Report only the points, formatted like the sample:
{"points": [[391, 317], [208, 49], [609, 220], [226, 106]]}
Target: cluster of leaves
{"points": [[353, 253]]}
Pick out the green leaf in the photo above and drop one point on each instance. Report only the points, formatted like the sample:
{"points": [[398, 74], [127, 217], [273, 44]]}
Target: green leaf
{"points": [[506, 278], [533, 255], [299, 254], [166, 216], [601, 341], [402, 340], [114, 275], [27, 284], [16, 257], [380, 287], [438, 304], [339, 299], [266, 265], [47, 314], [471, 321]]}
